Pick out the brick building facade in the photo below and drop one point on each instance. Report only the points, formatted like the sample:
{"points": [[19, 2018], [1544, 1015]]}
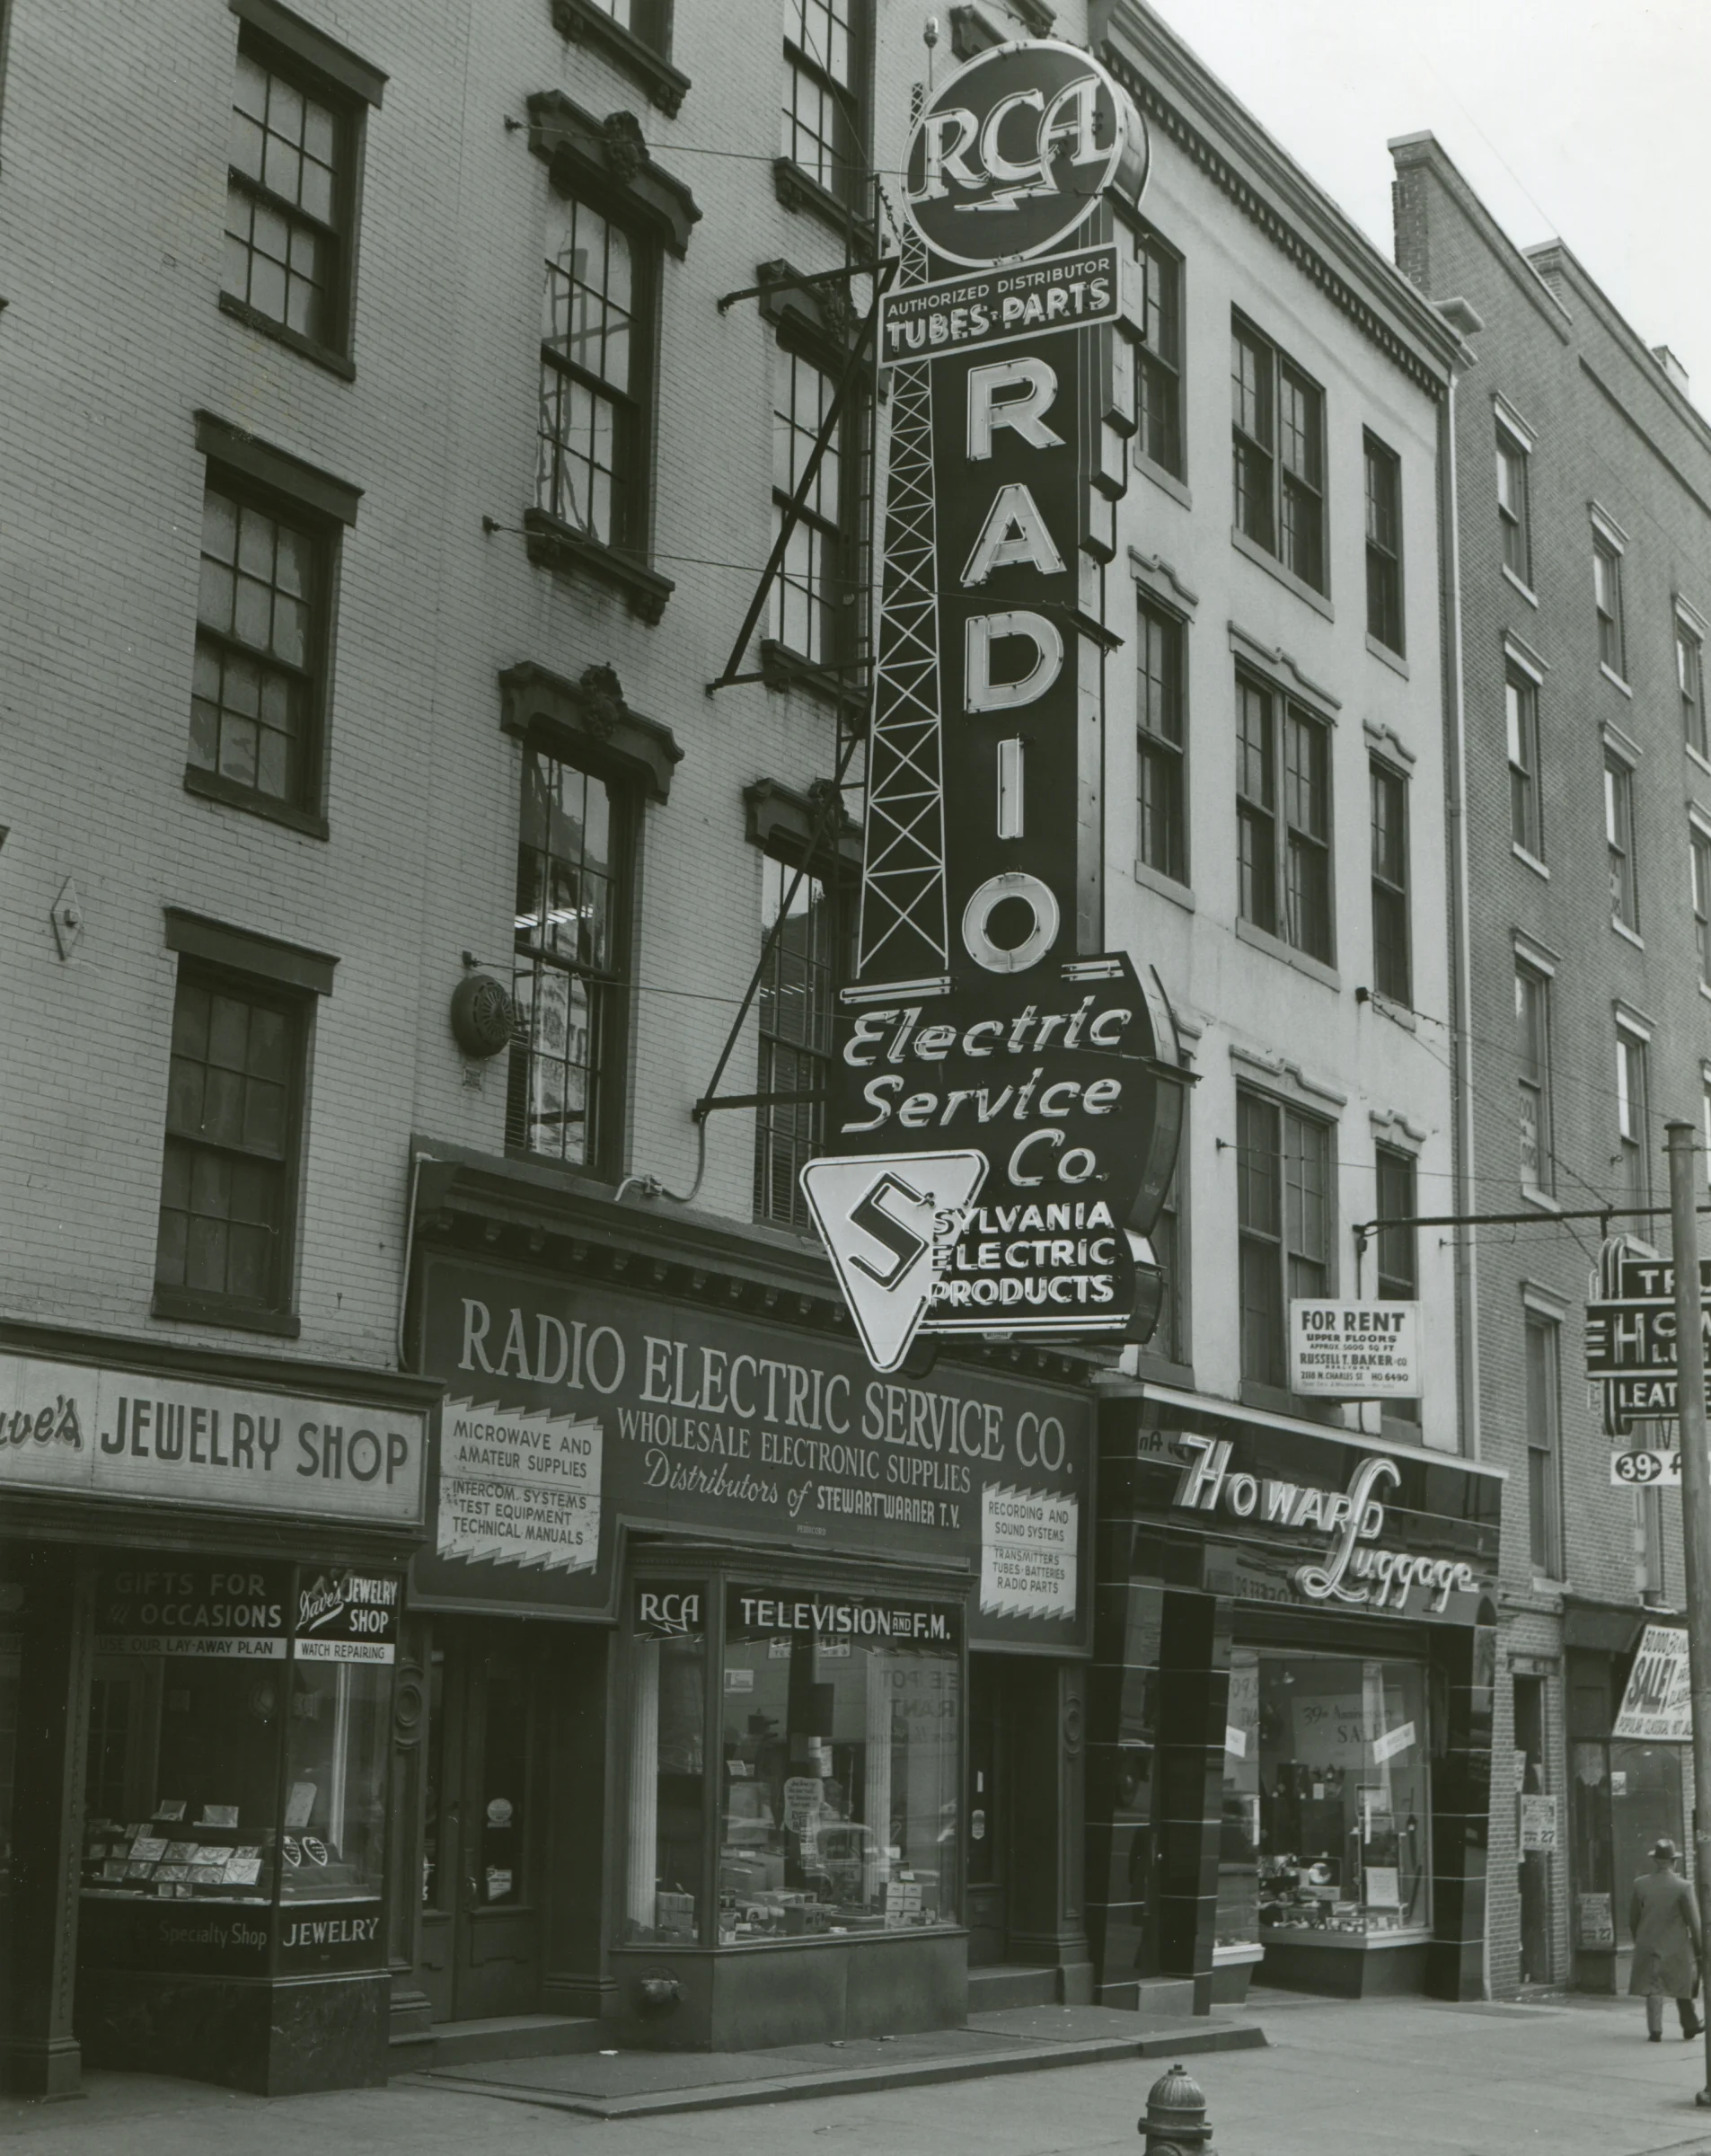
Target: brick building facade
{"points": [[1582, 494]]}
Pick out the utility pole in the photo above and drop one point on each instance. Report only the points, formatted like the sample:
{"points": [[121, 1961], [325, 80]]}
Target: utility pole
{"points": [[1696, 1499]]}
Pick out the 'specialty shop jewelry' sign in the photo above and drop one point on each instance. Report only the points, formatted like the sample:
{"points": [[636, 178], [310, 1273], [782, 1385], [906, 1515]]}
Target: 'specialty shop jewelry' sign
{"points": [[1006, 1097]]}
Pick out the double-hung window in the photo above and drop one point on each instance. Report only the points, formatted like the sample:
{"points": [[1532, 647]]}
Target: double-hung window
{"points": [[1521, 722], [1607, 599], [1278, 421], [1398, 1264], [796, 1006], [1689, 675], [1286, 1218], [1514, 522], [822, 131], [1392, 973], [1159, 433], [299, 106], [1633, 1115], [1532, 1055], [805, 605], [226, 1243], [1618, 840], [588, 473], [1699, 857], [1383, 545], [1544, 1450], [1159, 741], [269, 570], [1283, 818], [570, 967]]}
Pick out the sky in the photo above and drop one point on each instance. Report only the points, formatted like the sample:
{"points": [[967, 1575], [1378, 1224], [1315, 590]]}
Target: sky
{"points": [[1583, 120]]}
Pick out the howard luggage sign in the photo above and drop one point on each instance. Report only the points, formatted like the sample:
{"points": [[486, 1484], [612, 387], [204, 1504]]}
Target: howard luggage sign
{"points": [[1006, 1099]]}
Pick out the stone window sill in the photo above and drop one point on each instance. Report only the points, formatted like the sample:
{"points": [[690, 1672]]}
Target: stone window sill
{"points": [[264, 325], [1631, 935], [783, 668], [1166, 482], [190, 1308], [1393, 659], [553, 544], [1526, 590], [1610, 674], [1286, 576], [1530, 859], [1314, 968], [800, 190], [580, 22], [212, 787], [1166, 886]]}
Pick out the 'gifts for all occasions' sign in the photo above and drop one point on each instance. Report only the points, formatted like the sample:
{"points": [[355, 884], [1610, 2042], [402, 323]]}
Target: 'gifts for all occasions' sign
{"points": [[108, 1433], [1006, 1099], [573, 1408]]}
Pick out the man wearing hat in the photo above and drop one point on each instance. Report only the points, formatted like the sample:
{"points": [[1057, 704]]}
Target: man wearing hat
{"points": [[1665, 1919]]}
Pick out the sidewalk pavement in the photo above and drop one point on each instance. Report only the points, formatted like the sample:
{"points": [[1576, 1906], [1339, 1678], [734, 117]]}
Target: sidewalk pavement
{"points": [[1572, 2076]]}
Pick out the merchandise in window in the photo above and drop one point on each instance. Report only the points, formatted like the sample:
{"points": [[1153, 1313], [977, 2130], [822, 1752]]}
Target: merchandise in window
{"points": [[1327, 1798], [841, 1760], [239, 1732]]}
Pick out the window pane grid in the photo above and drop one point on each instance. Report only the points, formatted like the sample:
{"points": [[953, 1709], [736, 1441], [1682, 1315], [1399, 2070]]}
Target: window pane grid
{"points": [[1511, 507], [820, 130], [1701, 859], [1158, 361], [1284, 1212], [228, 1139], [1390, 955], [587, 357], [803, 601], [1619, 832], [1158, 743], [257, 633], [1543, 1504], [282, 196], [1689, 673], [1532, 1029], [1256, 816], [798, 986], [1383, 547], [1606, 592], [565, 972], [1520, 711], [1278, 426]]}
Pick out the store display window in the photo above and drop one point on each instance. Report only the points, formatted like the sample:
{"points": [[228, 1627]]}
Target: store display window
{"points": [[239, 1732], [1327, 1799], [834, 1777], [664, 1895], [1624, 1796]]}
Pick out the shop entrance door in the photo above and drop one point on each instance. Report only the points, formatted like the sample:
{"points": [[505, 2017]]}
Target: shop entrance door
{"points": [[987, 1811], [482, 1883]]}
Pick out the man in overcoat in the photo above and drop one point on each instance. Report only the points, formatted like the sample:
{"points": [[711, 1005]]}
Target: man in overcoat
{"points": [[1668, 1945]]}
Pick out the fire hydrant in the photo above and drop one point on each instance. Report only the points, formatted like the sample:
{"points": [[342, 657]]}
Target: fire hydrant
{"points": [[1176, 2123]]}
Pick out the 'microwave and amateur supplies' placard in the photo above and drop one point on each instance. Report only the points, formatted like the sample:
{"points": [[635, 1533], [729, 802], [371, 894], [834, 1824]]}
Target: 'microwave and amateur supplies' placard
{"points": [[1006, 1097]]}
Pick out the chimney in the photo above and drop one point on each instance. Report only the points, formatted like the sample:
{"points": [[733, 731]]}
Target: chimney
{"points": [[1671, 367]]}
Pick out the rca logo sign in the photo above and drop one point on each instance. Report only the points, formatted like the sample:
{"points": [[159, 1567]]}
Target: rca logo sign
{"points": [[1013, 154]]}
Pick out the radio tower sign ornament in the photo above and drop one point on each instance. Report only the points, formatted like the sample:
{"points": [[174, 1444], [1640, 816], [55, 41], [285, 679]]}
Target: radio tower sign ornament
{"points": [[1006, 1095]]}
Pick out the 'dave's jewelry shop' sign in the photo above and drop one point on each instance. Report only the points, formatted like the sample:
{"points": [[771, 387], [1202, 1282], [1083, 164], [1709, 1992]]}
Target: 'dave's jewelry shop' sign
{"points": [[573, 1410], [1006, 1097]]}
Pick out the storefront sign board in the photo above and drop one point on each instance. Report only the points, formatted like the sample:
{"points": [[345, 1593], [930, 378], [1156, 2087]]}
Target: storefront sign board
{"points": [[994, 306], [90, 1431], [1354, 1350], [688, 1419], [1630, 1335], [1657, 1701], [1269, 1509]]}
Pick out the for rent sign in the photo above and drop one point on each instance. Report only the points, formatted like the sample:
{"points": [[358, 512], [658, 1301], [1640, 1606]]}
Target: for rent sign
{"points": [[1354, 1350]]}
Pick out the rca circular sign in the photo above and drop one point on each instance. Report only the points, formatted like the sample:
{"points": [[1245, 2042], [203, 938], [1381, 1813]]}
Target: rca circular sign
{"points": [[1011, 156]]}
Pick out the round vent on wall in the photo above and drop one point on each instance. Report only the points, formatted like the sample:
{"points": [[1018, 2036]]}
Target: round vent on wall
{"points": [[482, 1015]]}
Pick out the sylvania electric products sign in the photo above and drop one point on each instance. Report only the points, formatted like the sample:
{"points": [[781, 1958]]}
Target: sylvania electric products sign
{"points": [[1006, 1097]]}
